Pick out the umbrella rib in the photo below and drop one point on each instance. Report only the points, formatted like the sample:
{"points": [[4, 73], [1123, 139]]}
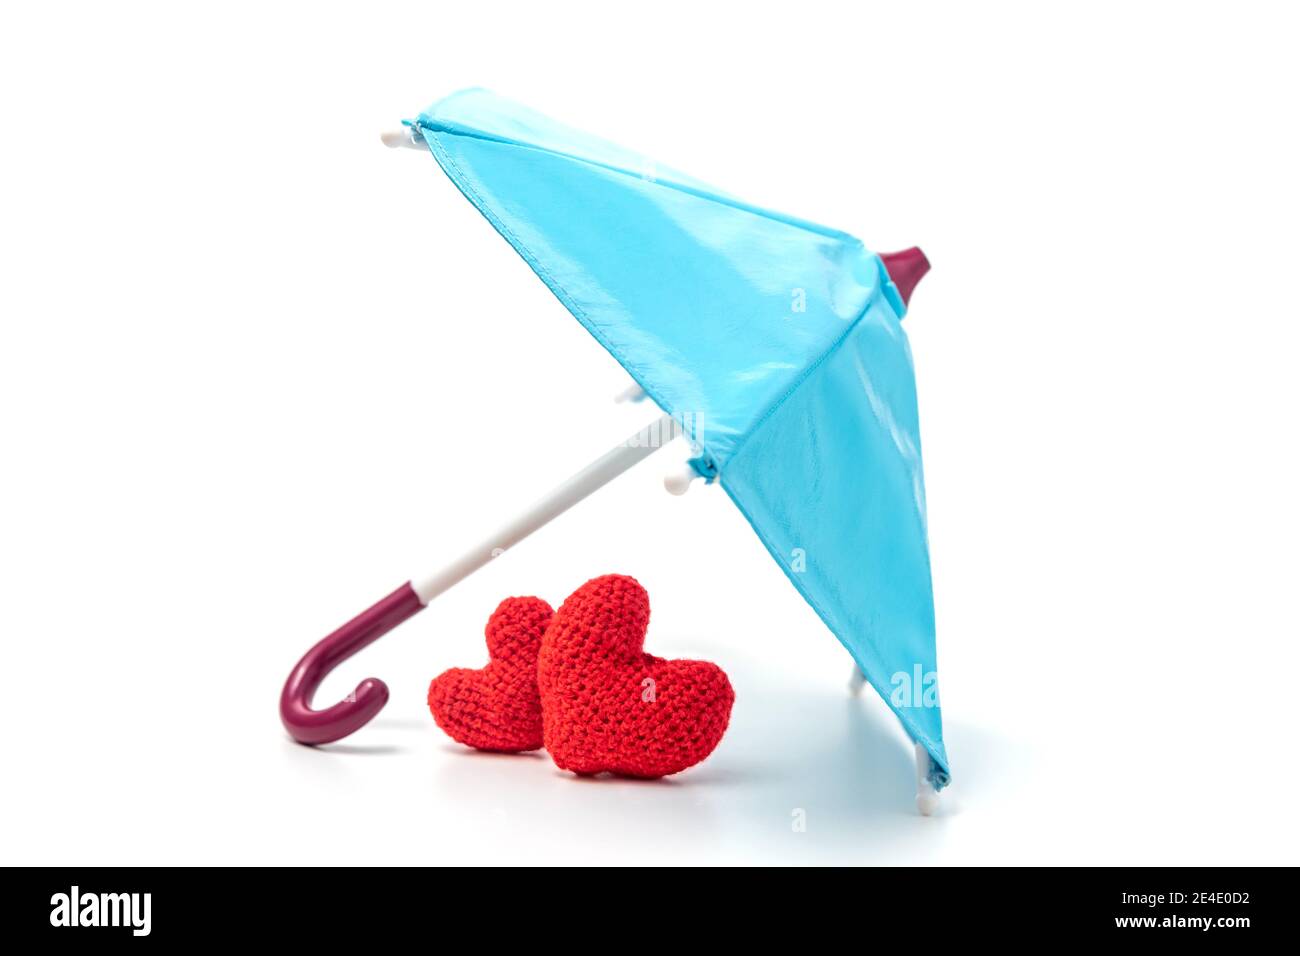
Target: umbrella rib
{"points": [[806, 374], [427, 124]]}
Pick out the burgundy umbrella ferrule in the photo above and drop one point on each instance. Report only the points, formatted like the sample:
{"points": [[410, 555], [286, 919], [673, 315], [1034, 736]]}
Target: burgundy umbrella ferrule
{"points": [[906, 269]]}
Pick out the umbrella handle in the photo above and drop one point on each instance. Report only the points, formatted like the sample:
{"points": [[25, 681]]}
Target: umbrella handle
{"points": [[309, 726]]}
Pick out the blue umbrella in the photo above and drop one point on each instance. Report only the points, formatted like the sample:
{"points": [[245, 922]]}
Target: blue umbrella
{"points": [[774, 342]]}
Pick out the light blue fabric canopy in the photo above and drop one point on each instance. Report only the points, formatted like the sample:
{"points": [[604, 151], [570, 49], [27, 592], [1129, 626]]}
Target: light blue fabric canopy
{"points": [[778, 340]]}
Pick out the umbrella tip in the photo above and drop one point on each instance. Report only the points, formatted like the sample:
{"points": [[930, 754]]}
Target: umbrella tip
{"points": [[906, 268], [406, 136]]}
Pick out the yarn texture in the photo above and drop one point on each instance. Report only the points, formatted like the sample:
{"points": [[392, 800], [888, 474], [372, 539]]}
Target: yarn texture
{"points": [[609, 706], [498, 707]]}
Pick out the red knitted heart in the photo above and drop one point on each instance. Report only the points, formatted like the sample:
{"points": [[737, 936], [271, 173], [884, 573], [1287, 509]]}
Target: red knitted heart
{"points": [[497, 707], [607, 705]]}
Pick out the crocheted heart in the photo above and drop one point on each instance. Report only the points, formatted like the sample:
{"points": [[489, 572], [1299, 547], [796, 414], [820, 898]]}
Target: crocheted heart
{"points": [[497, 707], [609, 706]]}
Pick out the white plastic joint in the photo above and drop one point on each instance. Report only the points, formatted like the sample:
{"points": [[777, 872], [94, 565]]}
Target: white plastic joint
{"points": [[927, 798], [678, 481], [406, 136]]}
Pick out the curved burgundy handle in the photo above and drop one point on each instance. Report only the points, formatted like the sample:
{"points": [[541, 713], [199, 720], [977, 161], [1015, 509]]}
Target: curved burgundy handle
{"points": [[309, 726]]}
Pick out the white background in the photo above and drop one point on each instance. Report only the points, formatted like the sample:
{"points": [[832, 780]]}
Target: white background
{"points": [[257, 370]]}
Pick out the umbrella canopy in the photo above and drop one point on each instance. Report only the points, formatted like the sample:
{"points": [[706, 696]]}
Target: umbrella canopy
{"points": [[777, 341]]}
